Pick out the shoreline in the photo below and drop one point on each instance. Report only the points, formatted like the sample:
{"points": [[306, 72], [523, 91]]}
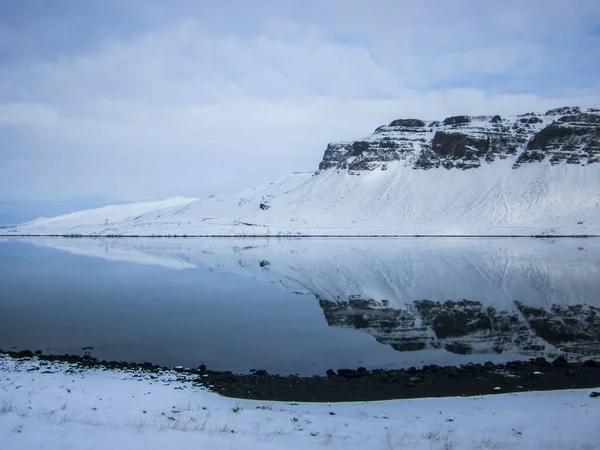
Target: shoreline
{"points": [[62, 405], [349, 385]]}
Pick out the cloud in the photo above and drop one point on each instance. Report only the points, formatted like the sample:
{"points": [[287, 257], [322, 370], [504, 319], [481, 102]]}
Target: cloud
{"points": [[26, 114], [196, 99]]}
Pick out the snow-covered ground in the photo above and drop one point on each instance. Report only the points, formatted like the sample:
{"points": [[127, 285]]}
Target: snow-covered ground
{"points": [[58, 406], [495, 199]]}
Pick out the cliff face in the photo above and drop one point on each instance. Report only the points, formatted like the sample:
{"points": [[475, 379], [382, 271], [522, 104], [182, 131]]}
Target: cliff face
{"points": [[466, 142]]}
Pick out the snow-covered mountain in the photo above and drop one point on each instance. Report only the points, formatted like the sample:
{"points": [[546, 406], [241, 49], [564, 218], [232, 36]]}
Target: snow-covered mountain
{"points": [[530, 174]]}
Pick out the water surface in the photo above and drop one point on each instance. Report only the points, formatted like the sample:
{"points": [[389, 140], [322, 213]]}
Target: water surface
{"points": [[301, 306]]}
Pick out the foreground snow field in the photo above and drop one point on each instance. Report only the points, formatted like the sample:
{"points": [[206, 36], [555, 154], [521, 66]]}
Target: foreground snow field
{"points": [[55, 405]]}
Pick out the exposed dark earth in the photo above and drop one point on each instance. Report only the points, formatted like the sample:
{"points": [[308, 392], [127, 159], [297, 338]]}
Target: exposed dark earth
{"points": [[361, 384]]}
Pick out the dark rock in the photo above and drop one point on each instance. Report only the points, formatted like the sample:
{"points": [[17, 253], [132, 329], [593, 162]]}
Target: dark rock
{"points": [[456, 120], [563, 110], [347, 373], [264, 263], [530, 120], [459, 145], [595, 394], [330, 373], [573, 138], [261, 373], [202, 368], [409, 123], [467, 144], [561, 361], [359, 147], [264, 206], [541, 362], [451, 371], [593, 119]]}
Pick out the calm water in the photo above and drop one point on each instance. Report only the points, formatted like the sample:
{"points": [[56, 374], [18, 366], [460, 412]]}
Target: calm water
{"points": [[302, 306]]}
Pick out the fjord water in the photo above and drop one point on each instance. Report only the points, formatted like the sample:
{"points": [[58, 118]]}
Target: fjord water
{"points": [[301, 305]]}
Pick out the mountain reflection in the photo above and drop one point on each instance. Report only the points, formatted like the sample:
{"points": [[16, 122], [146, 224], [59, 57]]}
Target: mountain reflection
{"points": [[467, 296]]}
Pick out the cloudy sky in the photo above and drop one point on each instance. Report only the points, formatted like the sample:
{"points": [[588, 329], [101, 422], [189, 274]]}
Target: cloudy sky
{"points": [[107, 101]]}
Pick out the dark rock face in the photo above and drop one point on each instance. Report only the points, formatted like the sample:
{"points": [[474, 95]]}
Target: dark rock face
{"points": [[456, 120], [563, 110], [451, 149], [464, 327], [530, 120], [562, 135], [573, 138], [408, 123]]}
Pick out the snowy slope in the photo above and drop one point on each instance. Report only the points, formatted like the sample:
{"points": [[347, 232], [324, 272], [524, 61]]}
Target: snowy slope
{"points": [[524, 175], [111, 214], [57, 406]]}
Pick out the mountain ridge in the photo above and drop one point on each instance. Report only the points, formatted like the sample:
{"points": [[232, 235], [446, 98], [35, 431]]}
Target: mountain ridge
{"points": [[527, 175]]}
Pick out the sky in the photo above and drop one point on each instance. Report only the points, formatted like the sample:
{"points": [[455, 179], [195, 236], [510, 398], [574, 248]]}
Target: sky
{"points": [[106, 101]]}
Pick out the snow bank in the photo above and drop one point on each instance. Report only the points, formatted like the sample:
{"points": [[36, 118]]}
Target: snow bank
{"points": [[58, 406]]}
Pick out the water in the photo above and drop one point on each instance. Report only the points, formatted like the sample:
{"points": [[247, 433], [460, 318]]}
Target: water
{"points": [[302, 306]]}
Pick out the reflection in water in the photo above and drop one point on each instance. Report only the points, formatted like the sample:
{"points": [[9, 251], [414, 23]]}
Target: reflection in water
{"points": [[466, 327], [462, 299]]}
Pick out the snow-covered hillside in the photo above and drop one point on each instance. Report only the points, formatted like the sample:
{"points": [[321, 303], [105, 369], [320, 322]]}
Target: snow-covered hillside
{"points": [[525, 175]]}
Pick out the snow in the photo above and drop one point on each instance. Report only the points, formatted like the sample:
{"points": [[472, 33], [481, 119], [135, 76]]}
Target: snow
{"points": [[112, 214], [396, 198], [72, 408]]}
